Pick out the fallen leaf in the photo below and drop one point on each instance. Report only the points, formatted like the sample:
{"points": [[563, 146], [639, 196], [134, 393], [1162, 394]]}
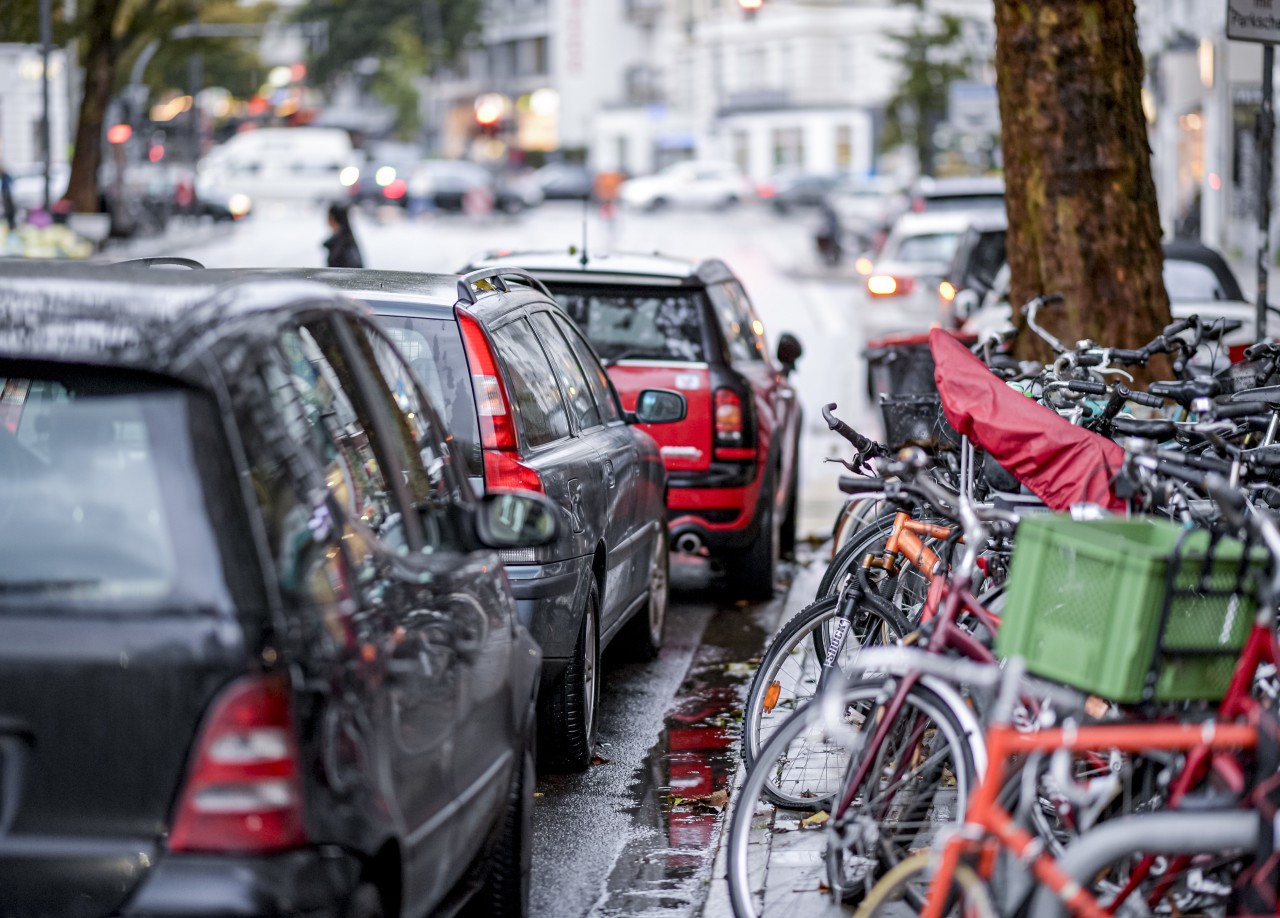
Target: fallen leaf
{"points": [[715, 801], [677, 801], [816, 819], [538, 793], [598, 759]]}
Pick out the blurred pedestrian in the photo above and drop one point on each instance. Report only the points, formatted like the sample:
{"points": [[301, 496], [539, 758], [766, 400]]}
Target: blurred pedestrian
{"points": [[343, 251], [6, 198]]}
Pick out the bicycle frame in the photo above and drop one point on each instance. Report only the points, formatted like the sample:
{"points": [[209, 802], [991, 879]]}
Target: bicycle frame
{"points": [[987, 821]]}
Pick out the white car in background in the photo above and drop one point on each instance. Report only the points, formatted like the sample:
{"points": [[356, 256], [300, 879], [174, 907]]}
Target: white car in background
{"points": [[296, 164], [903, 281], [694, 183]]}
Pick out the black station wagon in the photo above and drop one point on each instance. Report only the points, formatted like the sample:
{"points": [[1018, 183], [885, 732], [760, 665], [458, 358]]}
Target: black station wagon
{"points": [[526, 400], [257, 653]]}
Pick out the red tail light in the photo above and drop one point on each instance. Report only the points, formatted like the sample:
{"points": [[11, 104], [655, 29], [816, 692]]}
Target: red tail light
{"points": [[243, 793], [503, 469], [1235, 353], [728, 417], [766, 191]]}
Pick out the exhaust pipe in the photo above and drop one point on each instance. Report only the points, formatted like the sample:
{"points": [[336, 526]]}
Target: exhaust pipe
{"points": [[689, 543]]}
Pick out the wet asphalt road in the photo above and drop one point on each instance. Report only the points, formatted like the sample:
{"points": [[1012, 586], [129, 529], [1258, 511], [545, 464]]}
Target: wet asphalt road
{"points": [[624, 838]]}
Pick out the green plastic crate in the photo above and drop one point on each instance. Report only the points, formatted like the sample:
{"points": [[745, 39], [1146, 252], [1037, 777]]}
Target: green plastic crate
{"points": [[1084, 600]]}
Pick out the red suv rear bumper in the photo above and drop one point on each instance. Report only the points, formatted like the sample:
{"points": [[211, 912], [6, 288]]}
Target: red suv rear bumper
{"points": [[719, 507]]}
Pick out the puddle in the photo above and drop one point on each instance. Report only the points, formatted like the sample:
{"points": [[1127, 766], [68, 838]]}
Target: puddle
{"points": [[680, 790]]}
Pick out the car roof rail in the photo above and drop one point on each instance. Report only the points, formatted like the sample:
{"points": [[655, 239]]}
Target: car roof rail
{"points": [[497, 275], [160, 261]]}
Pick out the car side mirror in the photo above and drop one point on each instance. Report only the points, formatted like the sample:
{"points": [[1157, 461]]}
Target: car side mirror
{"points": [[789, 351], [516, 520], [658, 406]]}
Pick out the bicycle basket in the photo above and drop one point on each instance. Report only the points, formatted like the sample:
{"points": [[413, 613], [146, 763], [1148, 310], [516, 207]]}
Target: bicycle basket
{"points": [[1132, 610], [916, 420]]}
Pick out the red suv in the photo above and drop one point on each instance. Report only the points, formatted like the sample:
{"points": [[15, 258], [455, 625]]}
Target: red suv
{"points": [[661, 322]]}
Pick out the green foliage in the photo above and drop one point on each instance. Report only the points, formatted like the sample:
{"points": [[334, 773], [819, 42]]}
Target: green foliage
{"points": [[930, 60], [398, 34], [394, 82], [231, 63]]}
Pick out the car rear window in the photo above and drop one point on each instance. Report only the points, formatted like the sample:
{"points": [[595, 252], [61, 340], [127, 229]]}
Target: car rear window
{"points": [[433, 348], [1191, 282], [930, 247], [653, 323], [112, 492], [955, 202]]}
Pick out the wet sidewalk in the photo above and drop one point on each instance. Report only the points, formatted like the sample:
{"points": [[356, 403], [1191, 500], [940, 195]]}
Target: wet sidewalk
{"points": [[786, 857]]}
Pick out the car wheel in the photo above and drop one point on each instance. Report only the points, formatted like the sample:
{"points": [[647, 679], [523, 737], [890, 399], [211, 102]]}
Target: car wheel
{"points": [[658, 203], [568, 717], [365, 902], [642, 638], [751, 571], [730, 202], [506, 889]]}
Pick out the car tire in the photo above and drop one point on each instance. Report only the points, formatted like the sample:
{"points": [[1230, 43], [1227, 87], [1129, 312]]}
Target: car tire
{"points": [[729, 203], [641, 639], [567, 719], [365, 902], [751, 571], [505, 892], [658, 203]]}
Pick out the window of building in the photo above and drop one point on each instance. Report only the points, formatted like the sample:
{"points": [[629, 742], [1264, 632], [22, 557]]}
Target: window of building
{"points": [[844, 147], [788, 148]]}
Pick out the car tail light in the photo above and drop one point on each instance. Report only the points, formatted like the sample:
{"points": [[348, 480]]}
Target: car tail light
{"points": [[766, 191], [503, 469], [1235, 353], [395, 190], [888, 285], [728, 404], [243, 792]]}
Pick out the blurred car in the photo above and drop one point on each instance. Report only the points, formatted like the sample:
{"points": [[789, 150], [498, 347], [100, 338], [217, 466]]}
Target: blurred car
{"points": [[979, 255], [693, 183], [384, 177], [256, 653], [905, 274], [565, 181], [788, 190], [933, 195], [457, 185], [855, 217], [298, 164], [526, 401], [732, 461], [1197, 279]]}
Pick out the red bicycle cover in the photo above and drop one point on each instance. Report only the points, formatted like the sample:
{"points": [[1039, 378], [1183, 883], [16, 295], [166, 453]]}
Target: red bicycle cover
{"points": [[1060, 463]]}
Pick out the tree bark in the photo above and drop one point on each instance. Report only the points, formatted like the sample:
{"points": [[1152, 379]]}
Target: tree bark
{"points": [[1083, 218], [99, 80]]}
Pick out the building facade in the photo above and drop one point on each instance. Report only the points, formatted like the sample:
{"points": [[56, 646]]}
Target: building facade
{"points": [[21, 106]]}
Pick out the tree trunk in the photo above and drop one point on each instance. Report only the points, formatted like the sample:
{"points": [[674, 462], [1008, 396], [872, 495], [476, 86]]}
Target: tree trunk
{"points": [[99, 80], [1083, 218]]}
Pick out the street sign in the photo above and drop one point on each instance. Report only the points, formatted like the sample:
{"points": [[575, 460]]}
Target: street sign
{"points": [[1254, 20]]}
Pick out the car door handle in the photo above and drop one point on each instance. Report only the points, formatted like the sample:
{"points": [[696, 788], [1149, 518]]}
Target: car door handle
{"points": [[609, 479]]}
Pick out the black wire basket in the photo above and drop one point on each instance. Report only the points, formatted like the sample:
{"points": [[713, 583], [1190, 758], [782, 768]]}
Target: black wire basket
{"points": [[916, 420]]}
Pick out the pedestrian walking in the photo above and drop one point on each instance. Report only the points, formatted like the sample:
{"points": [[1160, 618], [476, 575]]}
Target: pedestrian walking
{"points": [[6, 198], [343, 251]]}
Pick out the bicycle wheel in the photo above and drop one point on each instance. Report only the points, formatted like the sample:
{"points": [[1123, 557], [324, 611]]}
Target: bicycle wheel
{"points": [[788, 673], [806, 752], [917, 780], [908, 882]]}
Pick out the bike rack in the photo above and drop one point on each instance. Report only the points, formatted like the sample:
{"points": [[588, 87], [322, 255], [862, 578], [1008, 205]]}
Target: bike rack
{"points": [[498, 275]]}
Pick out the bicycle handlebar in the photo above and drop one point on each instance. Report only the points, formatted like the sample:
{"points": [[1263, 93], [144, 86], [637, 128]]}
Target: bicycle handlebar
{"points": [[864, 445]]}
